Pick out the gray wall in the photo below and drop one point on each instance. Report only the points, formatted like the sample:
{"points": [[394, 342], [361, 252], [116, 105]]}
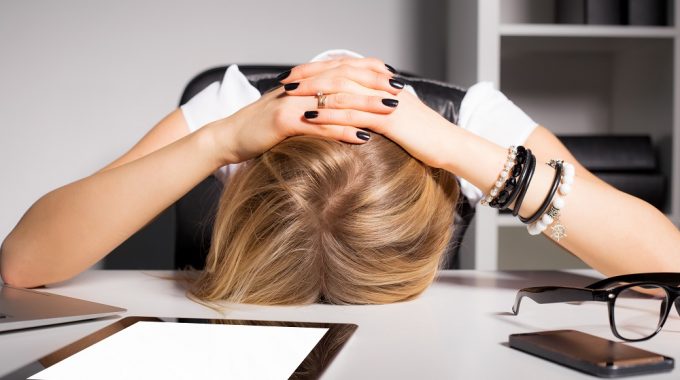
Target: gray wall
{"points": [[81, 81]]}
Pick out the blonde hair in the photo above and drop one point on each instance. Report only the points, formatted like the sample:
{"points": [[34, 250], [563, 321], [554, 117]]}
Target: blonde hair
{"points": [[315, 219]]}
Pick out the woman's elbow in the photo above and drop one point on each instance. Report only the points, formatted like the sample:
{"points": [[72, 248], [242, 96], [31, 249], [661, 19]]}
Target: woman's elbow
{"points": [[12, 270], [8, 270]]}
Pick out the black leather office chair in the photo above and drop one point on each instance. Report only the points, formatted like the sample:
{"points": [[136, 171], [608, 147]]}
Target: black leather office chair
{"points": [[196, 210]]}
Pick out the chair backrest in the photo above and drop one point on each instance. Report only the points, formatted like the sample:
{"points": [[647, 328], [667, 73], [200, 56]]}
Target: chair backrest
{"points": [[195, 211]]}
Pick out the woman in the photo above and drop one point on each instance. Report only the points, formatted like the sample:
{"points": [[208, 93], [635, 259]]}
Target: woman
{"points": [[611, 231]]}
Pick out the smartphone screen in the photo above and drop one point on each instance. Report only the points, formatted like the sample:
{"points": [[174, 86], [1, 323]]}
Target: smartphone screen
{"points": [[591, 354]]}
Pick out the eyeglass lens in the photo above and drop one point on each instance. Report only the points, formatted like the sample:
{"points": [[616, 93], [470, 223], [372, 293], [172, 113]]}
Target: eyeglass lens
{"points": [[638, 311]]}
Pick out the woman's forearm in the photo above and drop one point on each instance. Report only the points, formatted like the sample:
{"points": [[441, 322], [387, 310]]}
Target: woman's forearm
{"points": [[74, 226], [614, 232], [609, 230]]}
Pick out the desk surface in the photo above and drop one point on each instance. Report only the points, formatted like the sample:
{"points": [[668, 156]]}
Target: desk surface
{"points": [[458, 329]]}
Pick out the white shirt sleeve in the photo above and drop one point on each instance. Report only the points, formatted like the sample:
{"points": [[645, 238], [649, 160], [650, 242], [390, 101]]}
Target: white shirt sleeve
{"points": [[488, 113], [217, 101]]}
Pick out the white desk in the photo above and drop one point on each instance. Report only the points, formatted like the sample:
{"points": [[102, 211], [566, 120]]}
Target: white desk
{"points": [[458, 329]]}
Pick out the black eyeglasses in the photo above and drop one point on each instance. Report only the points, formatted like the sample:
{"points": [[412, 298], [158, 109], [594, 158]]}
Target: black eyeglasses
{"points": [[638, 304]]}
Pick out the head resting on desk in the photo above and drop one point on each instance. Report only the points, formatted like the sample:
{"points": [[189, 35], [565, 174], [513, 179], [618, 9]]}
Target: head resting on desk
{"points": [[315, 219]]}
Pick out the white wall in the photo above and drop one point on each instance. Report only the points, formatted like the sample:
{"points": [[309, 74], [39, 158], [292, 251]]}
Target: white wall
{"points": [[81, 81]]}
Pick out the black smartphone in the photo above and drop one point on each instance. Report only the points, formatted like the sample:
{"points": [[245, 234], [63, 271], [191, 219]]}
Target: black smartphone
{"points": [[591, 354]]}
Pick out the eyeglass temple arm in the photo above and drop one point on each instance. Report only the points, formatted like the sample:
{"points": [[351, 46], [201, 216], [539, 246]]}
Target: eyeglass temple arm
{"points": [[555, 294], [672, 278]]}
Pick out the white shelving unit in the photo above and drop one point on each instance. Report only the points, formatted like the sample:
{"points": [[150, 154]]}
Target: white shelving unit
{"points": [[573, 79], [591, 31]]}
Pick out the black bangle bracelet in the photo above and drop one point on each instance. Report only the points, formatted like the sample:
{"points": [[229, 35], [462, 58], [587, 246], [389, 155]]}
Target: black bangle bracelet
{"points": [[526, 180], [516, 184], [548, 199]]}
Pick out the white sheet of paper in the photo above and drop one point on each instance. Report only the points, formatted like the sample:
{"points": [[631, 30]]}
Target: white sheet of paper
{"points": [[167, 350]]}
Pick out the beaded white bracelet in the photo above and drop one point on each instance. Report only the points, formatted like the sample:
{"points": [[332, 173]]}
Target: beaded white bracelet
{"points": [[512, 154], [553, 213]]}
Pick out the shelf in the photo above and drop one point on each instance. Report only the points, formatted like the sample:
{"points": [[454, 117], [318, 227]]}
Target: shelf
{"points": [[555, 30], [576, 80]]}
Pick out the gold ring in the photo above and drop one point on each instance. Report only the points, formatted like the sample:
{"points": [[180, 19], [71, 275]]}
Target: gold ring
{"points": [[320, 100]]}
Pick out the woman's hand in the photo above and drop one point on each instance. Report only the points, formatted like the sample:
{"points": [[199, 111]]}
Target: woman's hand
{"points": [[413, 125], [357, 84]]}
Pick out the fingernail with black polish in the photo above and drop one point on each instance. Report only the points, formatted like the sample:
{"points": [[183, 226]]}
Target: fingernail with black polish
{"points": [[390, 102], [282, 76], [391, 69], [396, 84], [363, 135], [292, 86], [311, 114]]}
